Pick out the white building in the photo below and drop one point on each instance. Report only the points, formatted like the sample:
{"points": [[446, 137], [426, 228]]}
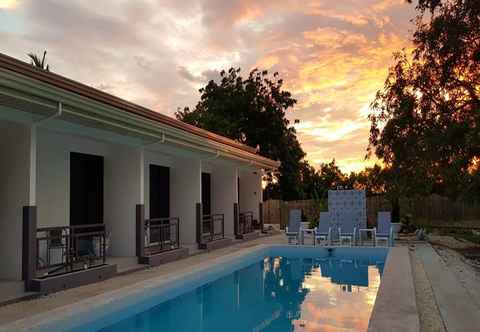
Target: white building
{"points": [[73, 155]]}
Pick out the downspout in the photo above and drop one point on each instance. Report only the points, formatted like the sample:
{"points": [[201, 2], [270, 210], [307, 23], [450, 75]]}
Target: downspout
{"points": [[51, 117], [217, 154]]}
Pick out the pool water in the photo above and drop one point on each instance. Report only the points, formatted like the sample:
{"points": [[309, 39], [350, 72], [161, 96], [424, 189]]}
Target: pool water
{"points": [[273, 294]]}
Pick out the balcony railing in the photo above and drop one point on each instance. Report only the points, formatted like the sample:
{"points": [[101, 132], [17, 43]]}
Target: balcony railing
{"points": [[70, 248], [161, 234], [245, 223], [212, 227]]}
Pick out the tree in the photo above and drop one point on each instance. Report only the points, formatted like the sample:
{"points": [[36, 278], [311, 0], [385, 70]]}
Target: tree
{"points": [[426, 120], [253, 111], [310, 181], [36, 62], [331, 177], [371, 179]]}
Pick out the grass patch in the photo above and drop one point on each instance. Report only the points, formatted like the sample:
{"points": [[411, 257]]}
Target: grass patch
{"points": [[469, 236], [459, 234]]}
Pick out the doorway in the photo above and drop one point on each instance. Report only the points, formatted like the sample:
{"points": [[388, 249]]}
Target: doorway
{"points": [[159, 192], [206, 194], [86, 189], [159, 203]]}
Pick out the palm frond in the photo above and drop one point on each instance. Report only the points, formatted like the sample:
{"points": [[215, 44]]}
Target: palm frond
{"points": [[36, 62]]}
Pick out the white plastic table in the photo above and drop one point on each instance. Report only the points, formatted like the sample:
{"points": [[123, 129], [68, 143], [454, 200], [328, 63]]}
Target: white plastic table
{"points": [[308, 231], [366, 231]]}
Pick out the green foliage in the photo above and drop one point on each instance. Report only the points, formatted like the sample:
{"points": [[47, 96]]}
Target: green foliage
{"points": [[371, 179], [408, 225], [468, 235], [253, 111], [426, 121], [319, 204], [37, 62]]}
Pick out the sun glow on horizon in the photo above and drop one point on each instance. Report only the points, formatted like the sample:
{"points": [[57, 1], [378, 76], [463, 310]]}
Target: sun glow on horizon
{"points": [[332, 56], [8, 4]]}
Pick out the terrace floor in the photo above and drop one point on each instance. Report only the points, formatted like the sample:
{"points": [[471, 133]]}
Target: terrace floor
{"points": [[13, 290]]}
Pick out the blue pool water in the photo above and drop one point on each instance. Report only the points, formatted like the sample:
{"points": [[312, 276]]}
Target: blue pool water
{"points": [[275, 293]]}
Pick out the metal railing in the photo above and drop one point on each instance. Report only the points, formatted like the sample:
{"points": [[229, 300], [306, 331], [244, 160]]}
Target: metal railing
{"points": [[245, 222], [70, 248], [161, 234], [212, 227]]}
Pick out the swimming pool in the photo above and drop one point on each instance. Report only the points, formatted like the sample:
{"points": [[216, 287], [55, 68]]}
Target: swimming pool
{"points": [[275, 288]]}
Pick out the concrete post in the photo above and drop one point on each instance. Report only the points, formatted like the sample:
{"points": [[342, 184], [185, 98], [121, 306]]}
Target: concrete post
{"points": [[235, 218], [140, 230], [198, 223], [260, 217], [29, 248]]}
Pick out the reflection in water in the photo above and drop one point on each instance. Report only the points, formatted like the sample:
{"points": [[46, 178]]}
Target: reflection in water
{"points": [[276, 294], [341, 297]]}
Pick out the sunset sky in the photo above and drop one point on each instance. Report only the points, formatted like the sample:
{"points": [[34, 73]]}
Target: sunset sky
{"points": [[333, 55]]}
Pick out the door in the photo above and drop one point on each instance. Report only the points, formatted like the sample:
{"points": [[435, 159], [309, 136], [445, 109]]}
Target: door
{"points": [[86, 189], [159, 192], [206, 194], [159, 202]]}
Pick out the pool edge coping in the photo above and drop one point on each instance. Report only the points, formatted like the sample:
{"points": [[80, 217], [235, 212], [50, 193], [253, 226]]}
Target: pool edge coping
{"points": [[395, 308]]}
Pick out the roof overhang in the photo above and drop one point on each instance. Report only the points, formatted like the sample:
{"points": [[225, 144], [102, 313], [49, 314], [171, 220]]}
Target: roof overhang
{"points": [[25, 92]]}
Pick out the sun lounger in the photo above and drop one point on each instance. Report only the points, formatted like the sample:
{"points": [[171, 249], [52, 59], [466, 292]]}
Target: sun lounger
{"points": [[293, 231], [323, 231], [347, 228], [384, 230]]}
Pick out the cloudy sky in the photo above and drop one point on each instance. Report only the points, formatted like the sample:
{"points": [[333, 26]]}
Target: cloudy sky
{"points": [[333, 55]]}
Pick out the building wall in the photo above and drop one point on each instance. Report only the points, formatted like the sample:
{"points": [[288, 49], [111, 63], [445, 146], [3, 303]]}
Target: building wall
{"points": [[250, 191], [224, 194], [185, 184], [122, 194], [14, 182], [121, 185]]}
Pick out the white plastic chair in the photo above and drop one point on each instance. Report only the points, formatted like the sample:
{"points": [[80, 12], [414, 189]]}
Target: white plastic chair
{"points": [[384, 232], [347, 229], [323, 231], [293, 230]]}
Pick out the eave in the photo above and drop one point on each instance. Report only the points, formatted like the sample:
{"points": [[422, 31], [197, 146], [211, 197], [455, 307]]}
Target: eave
{"points": [[23, 83]]}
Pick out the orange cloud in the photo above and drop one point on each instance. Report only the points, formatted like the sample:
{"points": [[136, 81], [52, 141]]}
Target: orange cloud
{"points": [[333, 55]]}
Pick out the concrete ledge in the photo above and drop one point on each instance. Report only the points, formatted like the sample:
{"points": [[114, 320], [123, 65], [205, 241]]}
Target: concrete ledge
{"points": [[216, 244], [164, 257], [74, 279], [395, 308], [247, 236]]}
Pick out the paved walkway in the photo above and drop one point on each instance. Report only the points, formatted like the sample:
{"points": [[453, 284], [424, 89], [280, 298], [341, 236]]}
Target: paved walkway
{"points": [[12, 290], [459, 311], [28, 308]]}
